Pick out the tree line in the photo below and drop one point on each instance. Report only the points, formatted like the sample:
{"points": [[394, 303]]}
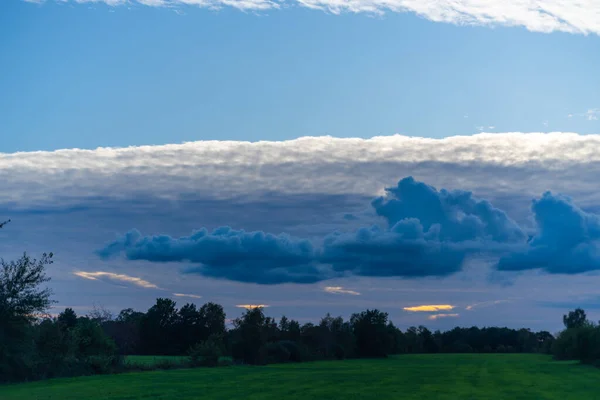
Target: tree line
{"points": [[34, 345]]}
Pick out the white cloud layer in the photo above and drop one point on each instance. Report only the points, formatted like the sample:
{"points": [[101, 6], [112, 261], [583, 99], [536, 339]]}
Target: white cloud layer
{"points": [[574, 16], [492, 165]]}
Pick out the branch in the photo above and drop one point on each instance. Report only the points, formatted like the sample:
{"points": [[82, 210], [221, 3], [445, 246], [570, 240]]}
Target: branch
{"points": [[4, 223]]}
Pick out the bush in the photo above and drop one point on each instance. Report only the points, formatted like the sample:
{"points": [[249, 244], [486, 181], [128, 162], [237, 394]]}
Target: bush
{"points": [[277, 353], [338, 351], [225, 362], [579, 343], [205, 354]]}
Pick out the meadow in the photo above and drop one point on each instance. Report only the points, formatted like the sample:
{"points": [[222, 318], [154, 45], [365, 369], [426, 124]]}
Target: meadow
{"points": [[423, 376]]}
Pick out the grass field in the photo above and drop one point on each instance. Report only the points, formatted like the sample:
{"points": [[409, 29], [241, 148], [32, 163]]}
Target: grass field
{"points": [[460, 377]]}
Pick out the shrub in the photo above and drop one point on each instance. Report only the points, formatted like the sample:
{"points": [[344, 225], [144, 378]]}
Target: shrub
{"points": [[225, 362], [205, 354], [277, 353]]}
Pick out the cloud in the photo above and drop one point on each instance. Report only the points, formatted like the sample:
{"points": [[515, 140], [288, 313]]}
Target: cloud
{"points": [[591, 115], [580, 17], [229, 254], [437, 316], [430, 233], [340, 290], [485, 304], [116, 277], [191, 296], [430, 308], [245, 172], [251, 306], [566, 241], [454, 216]]}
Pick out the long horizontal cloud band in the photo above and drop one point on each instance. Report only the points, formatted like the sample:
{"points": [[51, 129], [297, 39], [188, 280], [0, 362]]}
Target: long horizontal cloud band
{"points": [[429, 233], [319, 165], [582, 16]]}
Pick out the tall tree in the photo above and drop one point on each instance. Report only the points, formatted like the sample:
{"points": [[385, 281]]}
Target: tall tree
{"points": [[370, 329], [22, 300], [575, 319], [67, 319]]}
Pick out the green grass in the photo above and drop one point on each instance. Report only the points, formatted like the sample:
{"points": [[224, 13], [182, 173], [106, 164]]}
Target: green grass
{"points": [[460, 377]]}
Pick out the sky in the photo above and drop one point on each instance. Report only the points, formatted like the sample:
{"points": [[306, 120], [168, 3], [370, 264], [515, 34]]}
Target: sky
{"points": [[240, 152]]}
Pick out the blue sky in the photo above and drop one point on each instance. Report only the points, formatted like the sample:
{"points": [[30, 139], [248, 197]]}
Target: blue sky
{"points": [[487, 117], [90, 75]]}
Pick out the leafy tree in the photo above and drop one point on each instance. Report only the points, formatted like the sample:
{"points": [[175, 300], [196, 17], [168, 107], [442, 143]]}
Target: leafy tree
{"points": [[20, 292], [250, 337], [370, 330], [129, 315], [52, 347], [575, 319], [205, 354], [212, 317], [158, 328], [21, 302], [67, 319]]}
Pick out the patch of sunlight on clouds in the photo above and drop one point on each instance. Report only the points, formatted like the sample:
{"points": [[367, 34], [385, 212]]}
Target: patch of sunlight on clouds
{"points": [[485, 304], [430, 308], [436, 316], [340, 290], [251, 306], [97, 275], [192, 296]]}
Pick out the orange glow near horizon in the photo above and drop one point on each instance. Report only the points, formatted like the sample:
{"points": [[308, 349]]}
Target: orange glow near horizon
{"points": [[251, 306], [430, 308]]}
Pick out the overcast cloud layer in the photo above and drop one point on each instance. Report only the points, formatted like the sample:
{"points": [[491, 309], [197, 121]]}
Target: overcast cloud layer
{"points": [[317, 199], [577, 16]]}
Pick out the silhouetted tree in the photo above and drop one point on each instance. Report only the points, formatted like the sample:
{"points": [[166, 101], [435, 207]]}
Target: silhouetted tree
{"points": [[575, 319], [67, 319], [158, 328], [250, 337], [370, 330], [22, 300]]}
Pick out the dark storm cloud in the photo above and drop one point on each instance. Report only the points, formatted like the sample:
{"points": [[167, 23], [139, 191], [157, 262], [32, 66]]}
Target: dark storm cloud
{"points": [[226, 253], [429, 234], [566, 240]]}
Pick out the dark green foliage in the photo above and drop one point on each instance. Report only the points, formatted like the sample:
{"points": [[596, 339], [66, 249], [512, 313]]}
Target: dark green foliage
{"points": [[277, 353], [206, 354], [579, 341], [575, 319], [371, 332], [67, 319], [21, 301], [250, 337]]}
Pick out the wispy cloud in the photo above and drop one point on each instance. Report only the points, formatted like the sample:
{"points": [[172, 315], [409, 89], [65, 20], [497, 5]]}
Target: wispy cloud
{"points": [[581, 17], [437, 316], [485, 304], [252, 306], [97, 275], [430, 308], [591, 115], [340, 290], [191, 296]]}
